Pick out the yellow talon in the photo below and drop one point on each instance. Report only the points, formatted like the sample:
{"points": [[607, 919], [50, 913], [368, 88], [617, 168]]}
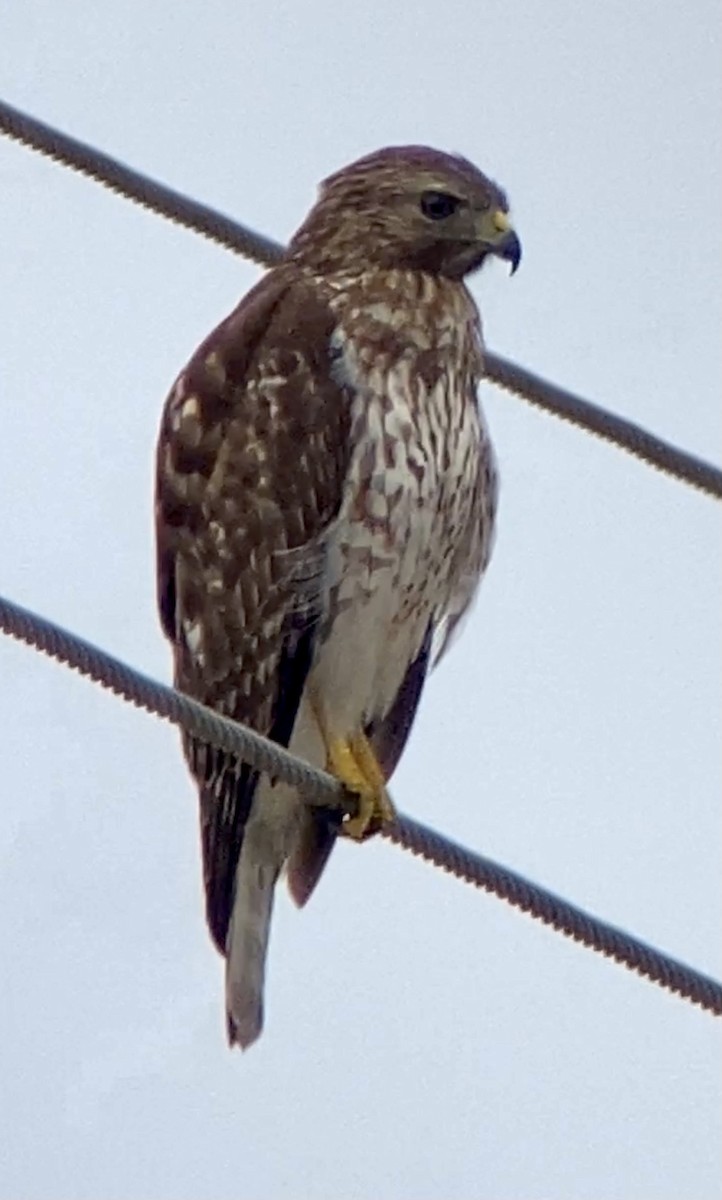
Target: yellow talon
{"points": [[354, 763]]}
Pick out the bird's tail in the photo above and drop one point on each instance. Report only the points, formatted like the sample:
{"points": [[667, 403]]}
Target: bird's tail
{"points": [[279, 829], [247, 942]]}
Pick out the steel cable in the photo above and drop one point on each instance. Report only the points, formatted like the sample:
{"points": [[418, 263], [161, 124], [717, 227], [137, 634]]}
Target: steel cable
{"points": [[321, 788], [166, 202]]}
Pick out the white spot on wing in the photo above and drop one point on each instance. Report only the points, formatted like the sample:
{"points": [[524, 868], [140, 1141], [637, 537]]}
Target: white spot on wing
{"points": [[190, 408], [193, 633]]}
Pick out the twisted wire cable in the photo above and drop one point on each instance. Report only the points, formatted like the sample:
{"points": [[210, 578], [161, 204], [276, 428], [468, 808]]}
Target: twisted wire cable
{"points": [[132, 185], [321, 788], [606, 425], [563, 916], [191, 214]]}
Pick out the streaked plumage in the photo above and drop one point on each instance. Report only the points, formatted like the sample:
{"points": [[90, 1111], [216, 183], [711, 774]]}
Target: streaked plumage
{"points": [[325, 508]]}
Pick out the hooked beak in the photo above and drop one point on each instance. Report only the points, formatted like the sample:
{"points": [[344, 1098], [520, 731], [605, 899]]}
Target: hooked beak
{"points": [[496, 232]]}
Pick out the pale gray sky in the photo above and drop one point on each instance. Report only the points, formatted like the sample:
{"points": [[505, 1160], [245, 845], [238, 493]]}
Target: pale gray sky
{"points": [[422, 1040]]}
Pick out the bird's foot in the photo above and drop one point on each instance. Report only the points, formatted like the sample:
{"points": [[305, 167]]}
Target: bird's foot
{"points": [[354, 763]]}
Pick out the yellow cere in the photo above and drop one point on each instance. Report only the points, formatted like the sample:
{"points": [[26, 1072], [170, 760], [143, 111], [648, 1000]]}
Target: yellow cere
{"points": [[501, 221]]}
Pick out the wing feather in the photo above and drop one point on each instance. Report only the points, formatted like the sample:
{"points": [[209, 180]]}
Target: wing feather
{"points": [[251, 464]]}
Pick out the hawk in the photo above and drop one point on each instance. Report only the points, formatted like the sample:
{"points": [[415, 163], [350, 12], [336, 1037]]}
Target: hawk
{"points": [[325, 505]]}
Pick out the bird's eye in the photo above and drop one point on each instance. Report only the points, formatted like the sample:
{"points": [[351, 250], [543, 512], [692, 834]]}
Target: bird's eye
{"points": [[438, 205]]}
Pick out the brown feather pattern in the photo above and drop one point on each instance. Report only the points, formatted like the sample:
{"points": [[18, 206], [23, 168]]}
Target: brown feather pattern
{"points": [[251, 463]]}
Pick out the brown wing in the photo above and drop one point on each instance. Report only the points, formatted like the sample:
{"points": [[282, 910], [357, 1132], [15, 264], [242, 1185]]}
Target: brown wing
{"points": [[252, 457]]}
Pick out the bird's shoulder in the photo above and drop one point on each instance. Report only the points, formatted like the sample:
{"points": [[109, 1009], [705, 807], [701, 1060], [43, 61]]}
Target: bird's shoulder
{"points": [[250, 370]]}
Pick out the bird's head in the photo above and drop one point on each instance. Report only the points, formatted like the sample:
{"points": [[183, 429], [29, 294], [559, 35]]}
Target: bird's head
{"points": [[407, 207]]}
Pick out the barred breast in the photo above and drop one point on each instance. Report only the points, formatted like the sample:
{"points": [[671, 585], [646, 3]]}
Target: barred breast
{"points": [[414, 530]]}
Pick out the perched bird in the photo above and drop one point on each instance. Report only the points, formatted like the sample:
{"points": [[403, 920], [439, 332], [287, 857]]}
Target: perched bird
{"points": [[325, 504]]}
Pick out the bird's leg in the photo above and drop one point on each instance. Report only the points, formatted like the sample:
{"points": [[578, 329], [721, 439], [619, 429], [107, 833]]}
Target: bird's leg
{"points": [[354, 763]]}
